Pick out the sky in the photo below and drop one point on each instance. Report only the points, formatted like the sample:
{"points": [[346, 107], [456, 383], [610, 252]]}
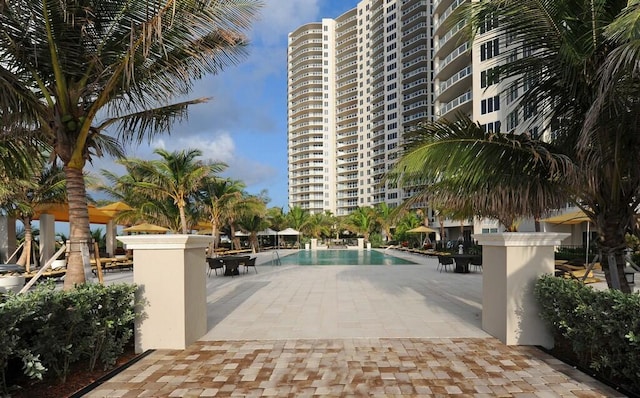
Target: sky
{"points": [[245, 123]]}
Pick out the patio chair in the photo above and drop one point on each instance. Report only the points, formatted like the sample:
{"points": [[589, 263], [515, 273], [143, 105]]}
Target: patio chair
{"points": [[444, 262], [250, 263], [214, 264], [476, 262]]}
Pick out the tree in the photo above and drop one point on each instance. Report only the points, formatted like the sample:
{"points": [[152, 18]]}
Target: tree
{"points": [[216, 197], [362, 221], [178, 175], [297, 217], [577, 81], [43, 184], [385, 218], [66, 62]]}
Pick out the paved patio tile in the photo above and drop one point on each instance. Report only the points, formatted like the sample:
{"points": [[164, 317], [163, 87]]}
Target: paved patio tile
{"points": [[349, 331]]}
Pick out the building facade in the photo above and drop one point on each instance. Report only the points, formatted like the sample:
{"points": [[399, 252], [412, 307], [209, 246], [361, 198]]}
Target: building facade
{"points": [[355, 83]]}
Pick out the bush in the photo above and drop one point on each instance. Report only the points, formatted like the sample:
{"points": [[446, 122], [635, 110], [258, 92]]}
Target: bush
{"points": [[603, 327], [49, 329]]}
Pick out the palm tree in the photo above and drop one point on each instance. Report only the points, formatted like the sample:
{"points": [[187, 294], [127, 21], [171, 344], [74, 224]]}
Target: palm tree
{"points": [[45, 184], [178, 175], [216, 197], [253, 222], [66, 62], [297, 217], [362, 221], [319, 225], [575, 72], [385, 218]]}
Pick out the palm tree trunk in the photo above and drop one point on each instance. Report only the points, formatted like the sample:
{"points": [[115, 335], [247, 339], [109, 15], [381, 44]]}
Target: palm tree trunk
{"points": [[183, 219], [25, 256], [612, 245], [79, 232]]}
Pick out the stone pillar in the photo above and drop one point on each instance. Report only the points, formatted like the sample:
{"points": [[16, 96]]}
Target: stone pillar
{"points": [[360, 243], [47, 237], [314, 244], [512, 262], [7, 238], [170, 271]]}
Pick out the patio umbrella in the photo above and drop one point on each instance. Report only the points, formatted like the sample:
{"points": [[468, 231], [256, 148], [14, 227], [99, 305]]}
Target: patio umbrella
{"points": [[148, 228], [422, 230], [60, 212], [572, 218], [115, 207]]}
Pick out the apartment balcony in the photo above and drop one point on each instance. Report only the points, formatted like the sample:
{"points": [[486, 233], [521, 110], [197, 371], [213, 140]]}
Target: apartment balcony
{"points": [[445, 44], [455, 61], [461, 104], [455, 86], [439, 22]]}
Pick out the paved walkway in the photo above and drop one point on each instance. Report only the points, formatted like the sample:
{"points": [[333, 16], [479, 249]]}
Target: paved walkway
{"points": [[292, 331]]}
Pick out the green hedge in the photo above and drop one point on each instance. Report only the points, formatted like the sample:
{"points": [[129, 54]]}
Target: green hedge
{"points": [[48, 329], [602, 327]]}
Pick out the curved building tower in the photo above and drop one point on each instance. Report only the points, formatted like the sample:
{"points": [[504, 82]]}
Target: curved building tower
{"points": [[355, 83]]}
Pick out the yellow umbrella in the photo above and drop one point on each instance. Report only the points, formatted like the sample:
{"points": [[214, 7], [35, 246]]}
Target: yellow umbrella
{"points": [[60, 212], [573, 217], [115, 207], [146, 227], [422, 229]]}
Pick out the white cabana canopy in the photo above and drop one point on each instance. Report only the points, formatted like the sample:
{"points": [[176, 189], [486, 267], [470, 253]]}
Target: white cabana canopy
{"points": [[289, 231], [267, 232]]}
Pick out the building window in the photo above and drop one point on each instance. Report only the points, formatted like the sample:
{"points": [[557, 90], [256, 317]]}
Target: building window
{"points": [[490, 22], [490, 105], [512, 120], [489, 77], [489, 49], [512, 94], [492, 127]]}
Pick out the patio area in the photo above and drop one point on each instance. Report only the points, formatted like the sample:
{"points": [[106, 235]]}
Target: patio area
{"points": [[348, 331]]}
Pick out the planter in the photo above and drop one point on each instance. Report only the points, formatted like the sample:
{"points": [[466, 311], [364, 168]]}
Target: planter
{"points": [[11, 283]]}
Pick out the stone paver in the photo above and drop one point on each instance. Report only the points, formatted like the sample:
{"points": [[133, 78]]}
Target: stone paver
{"points": [[349, 331]]}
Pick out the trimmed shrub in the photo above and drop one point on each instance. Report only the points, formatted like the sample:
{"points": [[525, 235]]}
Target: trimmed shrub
{"points": [[602, 327], [50, 329]]}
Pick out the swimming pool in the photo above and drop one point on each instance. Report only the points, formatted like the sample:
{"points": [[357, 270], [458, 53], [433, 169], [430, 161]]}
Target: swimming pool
{"points": [[342, 257]]}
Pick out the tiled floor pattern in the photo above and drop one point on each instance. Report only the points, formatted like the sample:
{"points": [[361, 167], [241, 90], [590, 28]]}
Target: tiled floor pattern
{"points": [[386, 367]]}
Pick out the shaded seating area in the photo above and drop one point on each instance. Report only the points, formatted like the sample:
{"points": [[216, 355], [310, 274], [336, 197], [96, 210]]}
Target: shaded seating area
{"points": [[230, 265]]}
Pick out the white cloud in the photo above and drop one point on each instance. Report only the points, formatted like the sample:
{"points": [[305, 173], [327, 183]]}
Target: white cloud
{"points": [[279, 17]]}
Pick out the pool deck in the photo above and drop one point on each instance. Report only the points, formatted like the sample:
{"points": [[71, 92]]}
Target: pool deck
{"points": [[400, 330]]}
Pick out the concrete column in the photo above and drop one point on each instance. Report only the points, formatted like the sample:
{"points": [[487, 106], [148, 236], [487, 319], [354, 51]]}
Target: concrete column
{"points": [[360, 243], [314, 244], [7, 238], [47, 237], [170, 271], [512, 263]]}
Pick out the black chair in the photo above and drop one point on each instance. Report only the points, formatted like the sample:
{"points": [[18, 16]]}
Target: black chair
{"points": [[214, 264], [444, 262], [476, 262], [250, 263]]}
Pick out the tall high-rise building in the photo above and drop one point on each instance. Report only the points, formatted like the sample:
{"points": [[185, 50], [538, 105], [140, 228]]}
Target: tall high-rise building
{"points": [[355, 83]]}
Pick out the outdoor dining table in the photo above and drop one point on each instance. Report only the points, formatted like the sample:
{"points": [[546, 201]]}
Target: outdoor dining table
{"points": [[462, 262], [232, 264]]}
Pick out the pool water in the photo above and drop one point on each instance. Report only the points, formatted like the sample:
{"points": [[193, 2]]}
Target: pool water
{"points": [[342, 257]]}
